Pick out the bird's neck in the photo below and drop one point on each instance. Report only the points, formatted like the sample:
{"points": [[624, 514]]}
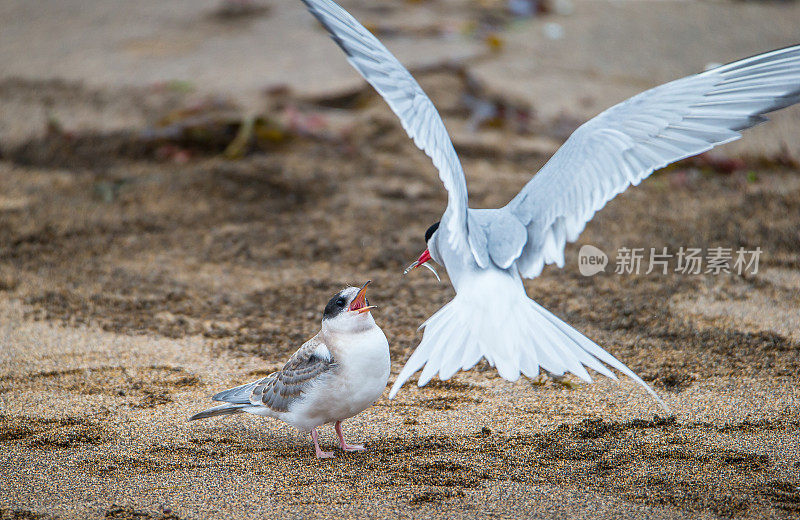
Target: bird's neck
{"points": [[332, 332]]}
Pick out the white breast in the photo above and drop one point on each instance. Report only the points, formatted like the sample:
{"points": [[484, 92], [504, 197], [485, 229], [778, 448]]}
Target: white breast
{"points": [[356, 382]]}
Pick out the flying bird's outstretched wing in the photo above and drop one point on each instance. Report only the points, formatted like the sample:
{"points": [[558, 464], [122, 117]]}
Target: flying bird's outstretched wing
{"points": [[620, 147], [627, 142], [406, 99]]}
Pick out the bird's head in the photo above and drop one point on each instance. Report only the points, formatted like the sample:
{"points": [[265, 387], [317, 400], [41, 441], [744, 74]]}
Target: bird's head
{"points": [[425, 257], [349, 311]]}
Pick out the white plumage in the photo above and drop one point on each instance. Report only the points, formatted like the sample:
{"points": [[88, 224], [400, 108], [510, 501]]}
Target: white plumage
{"points": [[333, 376], [627, 142], [487, 252]]}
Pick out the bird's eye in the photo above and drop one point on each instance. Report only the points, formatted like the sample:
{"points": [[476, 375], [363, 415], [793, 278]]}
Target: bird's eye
{"points": [[340, 302]]}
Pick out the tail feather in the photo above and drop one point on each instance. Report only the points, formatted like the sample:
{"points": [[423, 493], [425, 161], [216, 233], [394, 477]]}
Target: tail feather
{"points": [[517, 337], [589, 346], [559, 352], [223, 409], [472, 354], [448, 335], [451, 361], [238, 395]]}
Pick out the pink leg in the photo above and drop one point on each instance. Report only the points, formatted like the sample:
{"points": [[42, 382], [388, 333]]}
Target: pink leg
{"points": [[343, 444], [320, 454]]}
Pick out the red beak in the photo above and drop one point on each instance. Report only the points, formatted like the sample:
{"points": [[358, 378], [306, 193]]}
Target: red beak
{"points": [[424, 257]]}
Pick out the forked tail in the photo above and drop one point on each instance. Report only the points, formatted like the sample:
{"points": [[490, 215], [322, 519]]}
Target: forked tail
{"points": [[517, 336]]}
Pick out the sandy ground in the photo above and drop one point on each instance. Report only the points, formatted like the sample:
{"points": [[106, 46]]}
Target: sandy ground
{"points": [[141, 271]]}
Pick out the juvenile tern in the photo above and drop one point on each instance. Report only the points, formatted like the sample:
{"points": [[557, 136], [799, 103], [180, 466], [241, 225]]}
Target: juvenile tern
{"points": [[335, 375], [487, 252]]}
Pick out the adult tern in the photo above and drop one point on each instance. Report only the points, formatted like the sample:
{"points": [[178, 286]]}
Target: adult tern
{"points": [[487, 252]]}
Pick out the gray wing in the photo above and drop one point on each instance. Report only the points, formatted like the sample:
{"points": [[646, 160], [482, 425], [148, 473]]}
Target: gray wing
{"points": [[406, 99], [627, 142], [279, 389]]}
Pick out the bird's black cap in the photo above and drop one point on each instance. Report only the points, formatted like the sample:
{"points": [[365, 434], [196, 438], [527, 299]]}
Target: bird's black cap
{"points": [[431, 231], [335, 306]]}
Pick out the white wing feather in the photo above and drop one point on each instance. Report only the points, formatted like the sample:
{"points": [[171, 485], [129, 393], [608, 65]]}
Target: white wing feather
{"points": [[627, 142], [406, 99], [620, 147]]}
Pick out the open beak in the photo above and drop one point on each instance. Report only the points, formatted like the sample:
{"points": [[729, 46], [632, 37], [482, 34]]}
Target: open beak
{"points": [[423, 260], [359, 303]]}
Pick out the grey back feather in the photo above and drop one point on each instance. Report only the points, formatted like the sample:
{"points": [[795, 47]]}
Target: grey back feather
{"points": [[278, 390], [501, 235]]}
